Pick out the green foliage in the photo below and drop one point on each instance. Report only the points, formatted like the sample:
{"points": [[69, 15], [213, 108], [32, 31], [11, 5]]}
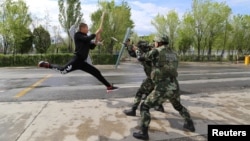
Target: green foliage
{"points": [[63, 49], [134, 38], [185, 39], [102, 59], [149, 38], [6, 60], [114, 24], [58, 48], [172, 22], [69, 14], [32, 60], [206, 27], [240, 35], [208, 20], [167, 25], [42, 40], [159, 22], [26, 44], [205, 58], [60, 59], [14, 23]]}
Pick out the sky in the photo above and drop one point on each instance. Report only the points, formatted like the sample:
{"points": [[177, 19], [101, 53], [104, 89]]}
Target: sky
{"points": [[143, 11]]}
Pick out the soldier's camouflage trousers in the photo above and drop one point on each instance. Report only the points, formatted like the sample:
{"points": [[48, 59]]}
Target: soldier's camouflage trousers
{"points": [[146, 88], [164, 90]]}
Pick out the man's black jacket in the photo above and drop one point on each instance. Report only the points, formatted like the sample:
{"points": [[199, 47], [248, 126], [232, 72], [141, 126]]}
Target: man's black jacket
{"points": [[83, 44]]}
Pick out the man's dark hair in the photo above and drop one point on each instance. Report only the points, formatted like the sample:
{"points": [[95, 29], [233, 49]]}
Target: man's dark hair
{"points": [[82, 25]]}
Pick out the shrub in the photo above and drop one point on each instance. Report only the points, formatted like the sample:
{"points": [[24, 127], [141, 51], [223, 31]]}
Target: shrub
{"points": [[60, 59], [103, 59]]}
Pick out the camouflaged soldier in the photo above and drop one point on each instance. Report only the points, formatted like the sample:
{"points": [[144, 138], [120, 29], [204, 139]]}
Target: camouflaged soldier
{"points": [[147, 85], [164, 75]]}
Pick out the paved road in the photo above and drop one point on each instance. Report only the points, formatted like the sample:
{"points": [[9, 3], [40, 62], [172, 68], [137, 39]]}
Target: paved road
{"points": [[36, 84], [39, 104]]}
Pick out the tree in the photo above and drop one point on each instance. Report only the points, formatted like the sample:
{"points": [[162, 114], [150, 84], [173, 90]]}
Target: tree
{"points": [[134, 38], [200, 14], [57, 38], [42, 40], [208, 21], [114, 24], [240, 35], [69, 14], [160, 24], [2, 25], [26, 44], [47, 20], [167, 25], [15, 19], [172, 23], [218, 16], [246, 25], [222, 43], [185, 35]]}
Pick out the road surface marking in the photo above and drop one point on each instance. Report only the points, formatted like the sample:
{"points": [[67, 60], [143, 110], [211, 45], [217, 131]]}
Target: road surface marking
{"points": [[25, 91]]}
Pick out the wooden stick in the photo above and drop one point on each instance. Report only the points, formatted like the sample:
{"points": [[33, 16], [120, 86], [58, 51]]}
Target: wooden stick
{"points": [[102, 19], [98, 37]]}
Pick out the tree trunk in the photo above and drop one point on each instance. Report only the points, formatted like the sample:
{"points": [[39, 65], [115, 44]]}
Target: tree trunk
{"points": [[209, 49], [222, 53], [5, 46], [199, 47], [210, 44], [70, 49], [199, 51]]}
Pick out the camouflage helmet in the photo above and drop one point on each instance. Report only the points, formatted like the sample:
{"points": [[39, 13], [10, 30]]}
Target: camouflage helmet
{"points": [[161, 38]]}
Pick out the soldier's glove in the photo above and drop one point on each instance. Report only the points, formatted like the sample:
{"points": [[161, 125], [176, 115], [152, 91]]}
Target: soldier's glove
{"points": [[141, 58], [172, 79]]}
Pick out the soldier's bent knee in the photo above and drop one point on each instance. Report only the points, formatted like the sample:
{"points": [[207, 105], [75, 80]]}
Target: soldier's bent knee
{"points": [[144, 107], [178, 107]]}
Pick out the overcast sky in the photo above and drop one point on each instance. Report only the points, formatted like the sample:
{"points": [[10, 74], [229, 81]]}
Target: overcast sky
{"points": [[143, 11]]}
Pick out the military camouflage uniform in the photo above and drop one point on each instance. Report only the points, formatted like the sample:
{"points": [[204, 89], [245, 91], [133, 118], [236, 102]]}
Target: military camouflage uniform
{"points": [[147, 84], [164, 76], [164, 73]]}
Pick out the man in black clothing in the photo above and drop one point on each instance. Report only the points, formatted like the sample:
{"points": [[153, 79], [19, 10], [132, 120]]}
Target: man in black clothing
{"points": [[83, 43]]}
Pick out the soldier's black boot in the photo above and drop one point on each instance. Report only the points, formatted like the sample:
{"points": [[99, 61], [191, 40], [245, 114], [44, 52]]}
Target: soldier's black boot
{"points": [[131, 112], [160, 108], [142, 135], [189, 125]]}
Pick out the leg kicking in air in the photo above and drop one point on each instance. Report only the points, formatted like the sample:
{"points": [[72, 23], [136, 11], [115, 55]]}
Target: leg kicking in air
{"points": [[83, 44]]}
